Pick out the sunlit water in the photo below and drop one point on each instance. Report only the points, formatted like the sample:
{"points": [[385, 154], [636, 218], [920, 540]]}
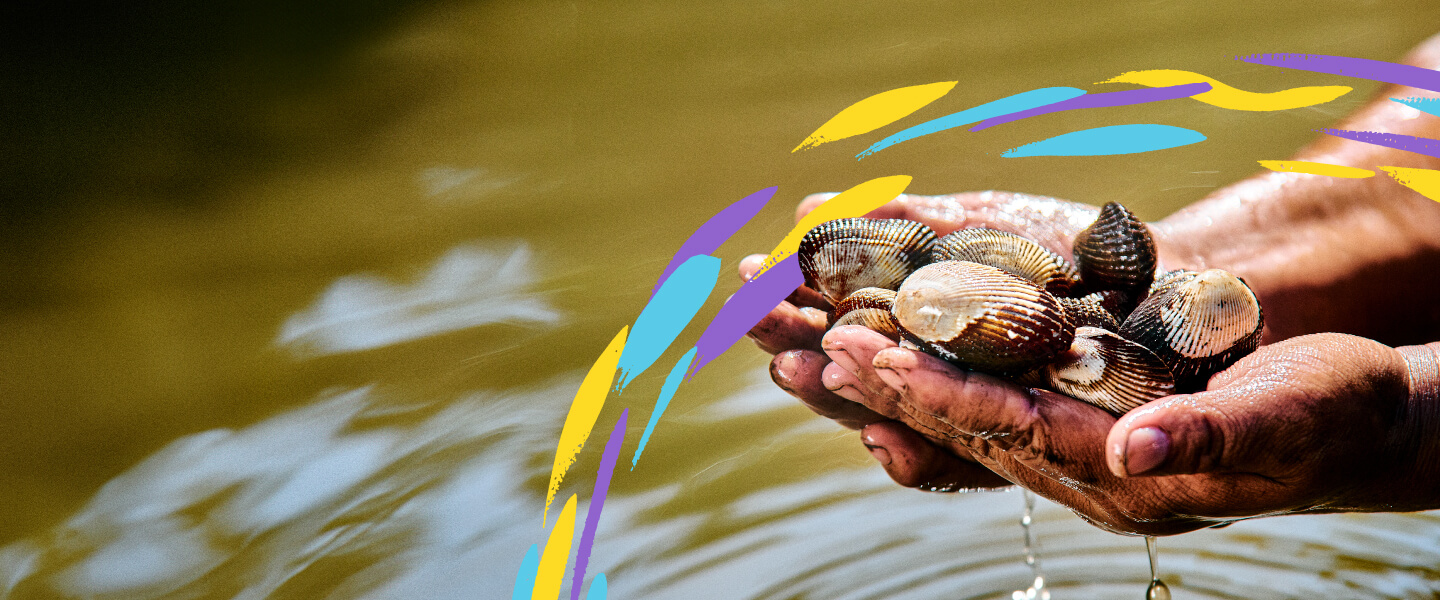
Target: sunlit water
{"points": [[338, 367]]}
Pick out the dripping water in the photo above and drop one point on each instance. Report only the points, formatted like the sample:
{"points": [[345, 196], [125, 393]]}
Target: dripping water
{"points": [[1157, 590], [1037, 590]]}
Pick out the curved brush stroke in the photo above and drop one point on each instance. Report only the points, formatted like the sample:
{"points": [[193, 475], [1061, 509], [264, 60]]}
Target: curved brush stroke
{"points": [[1314, 168], [1362, 68], [557, 553], [1229, 97], [1125, 98], [597, 501], [1115, 139], [1408, 143], [875, 112], [672, 382], [667, 314], [754, 299], [716, 230], [1429, 105], [525, 578], [598, 589], [1424, 181], [584, 410], [853, 202], [1003, 106]]}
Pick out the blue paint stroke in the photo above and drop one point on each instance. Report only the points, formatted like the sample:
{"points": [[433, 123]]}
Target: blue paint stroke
{"points": [[717, 230], [1362, 68], [667, 314], [1107, 99], [751, 302], [598, 589], [1429, 105], [525, 578], [1115, 139], [667, 391], [1408, 143], [1003, 106]]}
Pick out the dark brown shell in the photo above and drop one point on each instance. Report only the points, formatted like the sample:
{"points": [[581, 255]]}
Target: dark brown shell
{"points": [[1116, 252], [982, 318], [1089, 311], [844, 255], [1010, 253], [1198, 326], [868, 307], [1108, 371]]}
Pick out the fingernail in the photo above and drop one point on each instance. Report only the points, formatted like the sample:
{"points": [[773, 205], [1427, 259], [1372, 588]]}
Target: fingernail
{"points": [[1145, 449], [880, 454], [781, 369], [849, 392], [895, 378]]}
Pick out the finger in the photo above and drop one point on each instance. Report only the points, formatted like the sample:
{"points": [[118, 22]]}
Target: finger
{"points": [[799, 371], [853, 348], [802, 296], [788, 328], [913, 461], [891, 210]]}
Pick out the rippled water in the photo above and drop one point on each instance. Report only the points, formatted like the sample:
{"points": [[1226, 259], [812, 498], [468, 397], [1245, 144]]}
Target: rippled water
{"points": [[300, 316]]}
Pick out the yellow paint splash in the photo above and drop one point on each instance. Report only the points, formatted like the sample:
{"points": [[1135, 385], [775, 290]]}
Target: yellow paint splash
{"points": [[584, 410], [1425, 181], [854, 202], [557, 553], [875, 112], [1314, 168], [1225, 96]]}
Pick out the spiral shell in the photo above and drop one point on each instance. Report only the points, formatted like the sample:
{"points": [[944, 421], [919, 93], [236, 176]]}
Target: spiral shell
{"points": [[1089, 311], [1010, 253], [841, 256], [868, 307], [982, 318], [1116, 252], [1198, 326], [1108, 371]]}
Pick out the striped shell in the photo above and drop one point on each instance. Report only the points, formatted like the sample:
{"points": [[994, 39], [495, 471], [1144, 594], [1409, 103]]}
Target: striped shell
{"points": [[1198, 326], [841, 256], [1116, 252], [1010, 253], [982, 318], [1170, 279], [868, 307], [1089, 311], [1108, 371]]}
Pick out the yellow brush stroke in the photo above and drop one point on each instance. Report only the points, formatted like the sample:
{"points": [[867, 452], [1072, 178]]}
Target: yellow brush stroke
{"points": [[1314, 168], [1425, 181], [584, 410], [876, 111], [557, 552], [1225, 96], [854, 202]]}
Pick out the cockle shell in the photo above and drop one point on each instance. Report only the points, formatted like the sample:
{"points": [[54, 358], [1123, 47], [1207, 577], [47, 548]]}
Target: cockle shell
{"points": [[1089, 311], [1108, 371], [982, 318], [1010, 253], [1116, 252], [869, 307], [841, 256], [1170, 279], [1199, 326]]}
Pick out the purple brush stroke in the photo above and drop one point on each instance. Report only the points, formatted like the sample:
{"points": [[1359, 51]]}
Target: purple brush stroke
{"points": [[597, 501], [1125, 98], [751, 303], [1362, 68], [1409, 143], [716, 230]]}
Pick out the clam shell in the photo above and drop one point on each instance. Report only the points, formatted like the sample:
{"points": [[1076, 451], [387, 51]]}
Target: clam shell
{"points": [[868, 307], [1198, 326], [844, 255], [1170, 279], [1089, 311], [982, 318], [1108, 371], [1116, 252], [1010, 253]]}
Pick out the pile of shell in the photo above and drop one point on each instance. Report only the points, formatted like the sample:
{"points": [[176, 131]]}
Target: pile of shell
{"points": [[1105, 330]]}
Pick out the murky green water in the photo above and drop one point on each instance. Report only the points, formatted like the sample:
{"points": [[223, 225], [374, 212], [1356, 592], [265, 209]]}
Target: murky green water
{"points": [[295, 299]]}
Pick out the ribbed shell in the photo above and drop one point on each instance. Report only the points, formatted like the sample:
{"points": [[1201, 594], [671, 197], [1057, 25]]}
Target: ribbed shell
{"points": [[1198, 326], [1170, 279], [868, 307], [1116, 252], [982, 318], [841, 256], [1089, 311], [1109, 371], [1010, 253]]}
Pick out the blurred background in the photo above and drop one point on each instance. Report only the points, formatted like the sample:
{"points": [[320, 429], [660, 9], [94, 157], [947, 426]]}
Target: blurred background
{"points": [[294, 295]]}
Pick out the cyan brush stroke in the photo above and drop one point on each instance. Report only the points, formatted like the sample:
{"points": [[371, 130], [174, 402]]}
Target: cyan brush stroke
{"points": [[1003, 106], [1429, 105], [667, 391], [597, 502], [525, 578], [1408, 143], [750, 303], [1123, 98], [1115, 139], [715, 231], [598, 588], [667, 314], [1363, 68]]}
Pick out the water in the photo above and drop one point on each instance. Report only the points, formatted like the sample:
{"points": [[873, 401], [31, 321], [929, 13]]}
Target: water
{"points": [[294, 300], [1032, 555], [1157, 590]]}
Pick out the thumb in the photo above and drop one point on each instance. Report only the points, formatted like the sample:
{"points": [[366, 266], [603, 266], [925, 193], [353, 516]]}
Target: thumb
{"points": [[1181, 435]]}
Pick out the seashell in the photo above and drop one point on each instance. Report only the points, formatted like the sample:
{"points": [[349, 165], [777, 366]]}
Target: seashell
{"points": [[982, 318], [1116, 252], [1198, 326], [1010, 253], [1108, 371], [1170, 279], [1089, 311], [841, 256], [868, 307]]}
